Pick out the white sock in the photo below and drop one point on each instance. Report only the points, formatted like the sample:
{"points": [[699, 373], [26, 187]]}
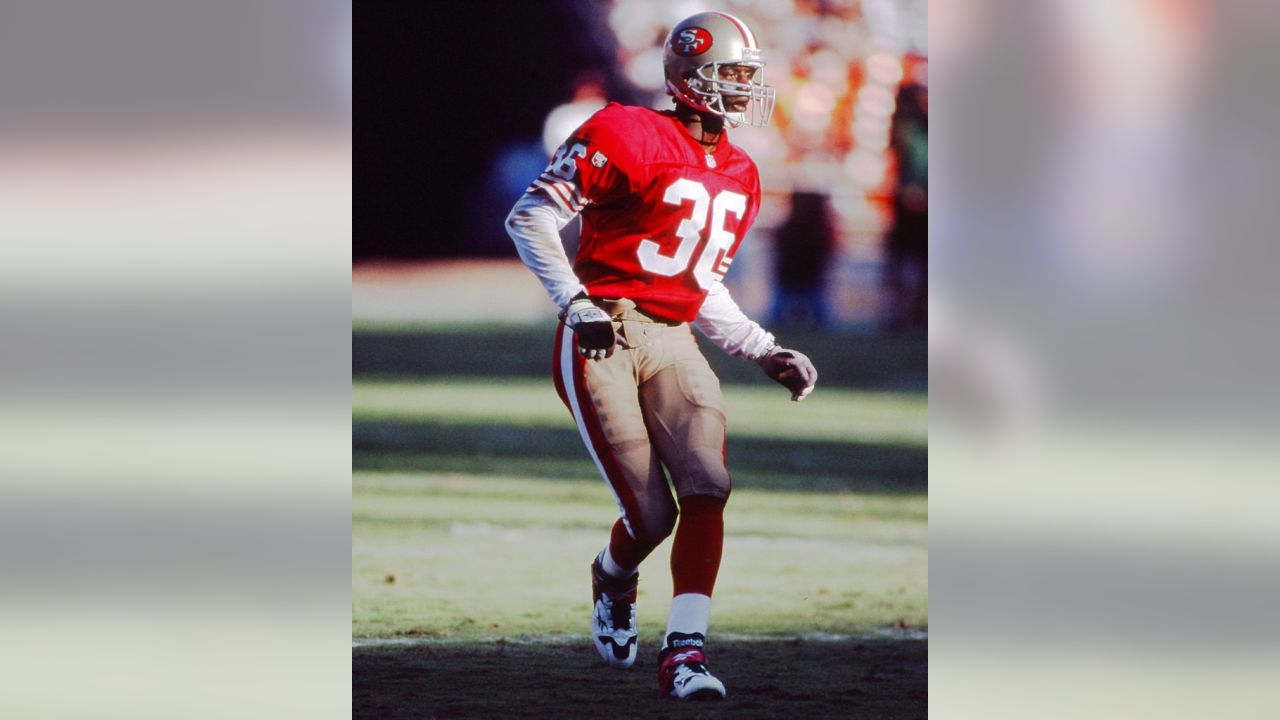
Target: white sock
{"points": [[612, 567], [690, 613]]}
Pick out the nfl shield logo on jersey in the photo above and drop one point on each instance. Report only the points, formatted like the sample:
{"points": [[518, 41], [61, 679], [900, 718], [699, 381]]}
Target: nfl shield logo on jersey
{"points": [[599, 159], [711, 161]]}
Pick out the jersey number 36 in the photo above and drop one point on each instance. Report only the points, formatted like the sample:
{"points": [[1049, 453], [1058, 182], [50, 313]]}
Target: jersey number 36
{"points": [[713, 261]]}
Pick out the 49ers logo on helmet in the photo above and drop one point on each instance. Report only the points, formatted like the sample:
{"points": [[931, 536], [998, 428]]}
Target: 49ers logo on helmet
{"points": [[691, 41]]}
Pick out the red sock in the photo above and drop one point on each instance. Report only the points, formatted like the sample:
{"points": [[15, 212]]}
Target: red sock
{"points": [[695, 556], [626, 550]]}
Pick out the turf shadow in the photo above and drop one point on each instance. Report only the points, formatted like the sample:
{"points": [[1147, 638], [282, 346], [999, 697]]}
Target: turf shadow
{"points": [[557, 453]]}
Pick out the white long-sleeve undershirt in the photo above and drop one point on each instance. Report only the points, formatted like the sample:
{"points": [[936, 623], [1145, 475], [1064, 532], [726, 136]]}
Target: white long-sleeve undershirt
{"points": [[534, 225], [724, 324]]}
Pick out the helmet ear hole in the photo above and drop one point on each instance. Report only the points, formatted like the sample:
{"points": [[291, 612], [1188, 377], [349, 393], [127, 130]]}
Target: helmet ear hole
{"points": [[697, 83]]}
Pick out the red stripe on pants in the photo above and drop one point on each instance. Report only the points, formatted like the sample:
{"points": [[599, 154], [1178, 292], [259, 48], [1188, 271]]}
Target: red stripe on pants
{"points": [[555, 367], [613, 470]]}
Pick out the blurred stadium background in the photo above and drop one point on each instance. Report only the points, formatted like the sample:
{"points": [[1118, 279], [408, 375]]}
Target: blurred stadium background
{"points": [[453, 132]]}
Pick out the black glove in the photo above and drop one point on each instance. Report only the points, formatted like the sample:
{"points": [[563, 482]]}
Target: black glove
{"points": [[591, 326], [792, 369]]}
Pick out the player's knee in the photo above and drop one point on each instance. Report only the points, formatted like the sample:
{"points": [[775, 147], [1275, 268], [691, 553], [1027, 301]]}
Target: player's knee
{"points": [[663, 529], [707, 476], [658, 526]]}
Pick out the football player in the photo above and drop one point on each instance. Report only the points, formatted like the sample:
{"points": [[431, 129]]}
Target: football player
{"points": [[665, 200]]}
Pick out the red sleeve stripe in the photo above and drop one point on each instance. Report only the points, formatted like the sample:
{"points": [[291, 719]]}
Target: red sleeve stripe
{"points": [[570, 189], [555, 194], [561, 194]]}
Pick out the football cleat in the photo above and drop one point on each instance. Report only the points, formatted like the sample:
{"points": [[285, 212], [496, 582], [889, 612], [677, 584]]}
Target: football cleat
{"points": [[613, 620], [682, 670]]}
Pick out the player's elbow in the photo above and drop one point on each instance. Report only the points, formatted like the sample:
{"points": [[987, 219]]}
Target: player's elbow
{"points": [[515, 219], [527, 218]]}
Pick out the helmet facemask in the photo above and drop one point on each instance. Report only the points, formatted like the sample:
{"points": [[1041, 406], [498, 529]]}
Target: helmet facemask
{"points": [[713, 91]]}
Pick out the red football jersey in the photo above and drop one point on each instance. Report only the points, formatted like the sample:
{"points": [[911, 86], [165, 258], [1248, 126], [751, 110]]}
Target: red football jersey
{"points": [[661, 219]]}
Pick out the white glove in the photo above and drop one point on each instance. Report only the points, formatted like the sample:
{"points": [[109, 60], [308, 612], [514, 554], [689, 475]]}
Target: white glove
{"points": [[793, 369], [592, 328]]}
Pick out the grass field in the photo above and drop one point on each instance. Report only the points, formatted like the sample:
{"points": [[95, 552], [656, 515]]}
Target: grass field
{"points": [[476, 512]]}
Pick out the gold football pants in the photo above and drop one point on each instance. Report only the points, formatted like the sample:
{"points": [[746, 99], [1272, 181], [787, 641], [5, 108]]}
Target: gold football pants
{"points": [[651, 410]]}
